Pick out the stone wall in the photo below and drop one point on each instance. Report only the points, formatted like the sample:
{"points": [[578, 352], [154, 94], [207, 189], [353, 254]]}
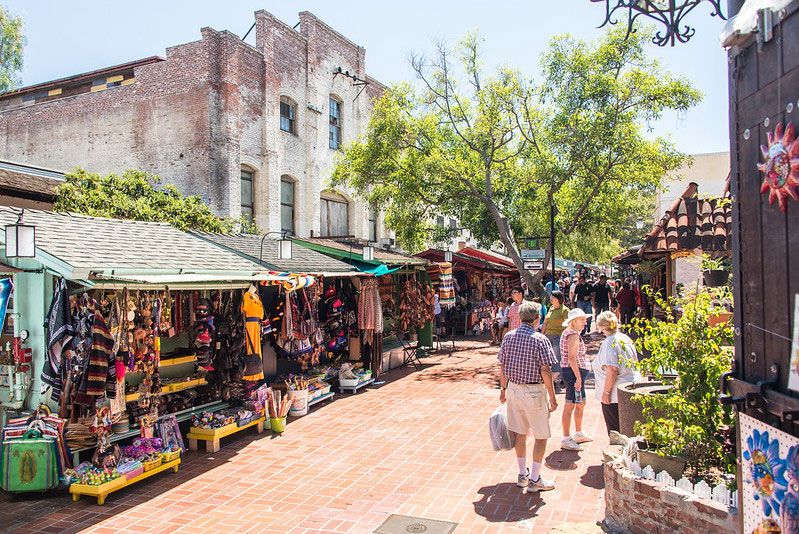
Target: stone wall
{"points": [[642, 506]]}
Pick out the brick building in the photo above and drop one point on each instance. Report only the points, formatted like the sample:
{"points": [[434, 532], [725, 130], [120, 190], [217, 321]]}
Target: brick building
{"points": [[251, 130]]}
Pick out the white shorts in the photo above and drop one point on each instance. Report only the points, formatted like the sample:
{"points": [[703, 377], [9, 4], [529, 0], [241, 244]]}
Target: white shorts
{"points": [[528, 410]]}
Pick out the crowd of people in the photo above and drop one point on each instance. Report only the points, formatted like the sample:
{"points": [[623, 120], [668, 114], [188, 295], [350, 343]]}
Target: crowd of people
{"points": [[535, 343]]}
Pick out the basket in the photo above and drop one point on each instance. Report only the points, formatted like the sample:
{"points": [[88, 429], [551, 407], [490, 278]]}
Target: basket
{"points": [[149, 466], [325, 388], [169, 456], [316, 393], [133, 474], [348, 382]]}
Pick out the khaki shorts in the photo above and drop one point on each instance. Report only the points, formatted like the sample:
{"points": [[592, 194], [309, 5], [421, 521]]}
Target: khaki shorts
{"points": [[528, 410]]}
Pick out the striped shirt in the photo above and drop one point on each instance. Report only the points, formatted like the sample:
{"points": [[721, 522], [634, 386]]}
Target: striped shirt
{"points": [[582, 358]]}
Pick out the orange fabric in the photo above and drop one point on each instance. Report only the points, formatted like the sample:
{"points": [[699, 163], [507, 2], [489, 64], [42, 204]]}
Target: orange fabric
{"points": [[252, 307]]}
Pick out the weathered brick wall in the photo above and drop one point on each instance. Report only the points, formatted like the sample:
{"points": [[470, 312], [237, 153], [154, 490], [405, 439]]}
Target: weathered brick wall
{"points": [[209, 109], [644, 506]]}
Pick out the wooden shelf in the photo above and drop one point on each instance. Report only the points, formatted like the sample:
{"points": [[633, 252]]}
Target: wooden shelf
{"points": [[178, 361], [321, 399], [355, 389], [171, 388], [109, 487]]}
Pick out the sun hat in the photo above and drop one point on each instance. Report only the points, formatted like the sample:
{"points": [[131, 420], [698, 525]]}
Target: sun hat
{"points": [[576, 313]]}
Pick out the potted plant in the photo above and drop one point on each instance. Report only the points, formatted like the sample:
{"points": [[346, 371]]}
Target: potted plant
{"points": [[687, 353], [714, 271], [646, 269]]}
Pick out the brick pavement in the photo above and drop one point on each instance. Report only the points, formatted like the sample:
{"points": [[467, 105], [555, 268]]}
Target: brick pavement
{"points": [[417, 445]]}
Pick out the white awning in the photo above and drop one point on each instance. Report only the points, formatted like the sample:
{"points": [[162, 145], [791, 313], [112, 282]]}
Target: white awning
{"points": [[187, 281]]}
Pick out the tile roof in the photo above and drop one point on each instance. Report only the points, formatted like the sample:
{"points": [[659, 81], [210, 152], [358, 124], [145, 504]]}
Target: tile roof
{"points": [[692, 223], [17, 182], [304, 260], [460, 260], [382, 255], [102, 244]]}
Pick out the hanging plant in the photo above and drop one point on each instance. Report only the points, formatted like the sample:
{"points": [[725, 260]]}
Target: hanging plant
{"points": [[647, 268], [781, 166]]}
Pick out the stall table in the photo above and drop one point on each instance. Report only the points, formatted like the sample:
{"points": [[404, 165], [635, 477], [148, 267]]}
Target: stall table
{"points": [[102, 491], [211, 439], [355, 388]]}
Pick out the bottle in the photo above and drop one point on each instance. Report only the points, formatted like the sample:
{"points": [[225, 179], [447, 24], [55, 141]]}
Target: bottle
{"points": [[578, 396]]}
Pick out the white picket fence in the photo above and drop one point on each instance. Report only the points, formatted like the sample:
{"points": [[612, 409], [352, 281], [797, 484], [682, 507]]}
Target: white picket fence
{"points": [[702, 489]]}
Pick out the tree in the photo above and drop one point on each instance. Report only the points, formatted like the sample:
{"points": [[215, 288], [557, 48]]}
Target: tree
{"points": [[11, 43], [133, 196], [496, 152]]}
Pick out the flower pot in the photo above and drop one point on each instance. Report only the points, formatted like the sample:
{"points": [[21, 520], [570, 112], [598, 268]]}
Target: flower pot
{"points": [[673, 465], [631, 410], [715, 278], [721, 318]]}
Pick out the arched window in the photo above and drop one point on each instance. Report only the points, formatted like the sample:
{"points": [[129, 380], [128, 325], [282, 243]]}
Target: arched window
{"points": [[335, 123], [247, 194], [288, 111], [372, 225], [334, 215], [287, 206]]}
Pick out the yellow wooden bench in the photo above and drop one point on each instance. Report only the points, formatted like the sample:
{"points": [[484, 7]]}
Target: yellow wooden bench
{"points": [[103, 490], [211, 438]]}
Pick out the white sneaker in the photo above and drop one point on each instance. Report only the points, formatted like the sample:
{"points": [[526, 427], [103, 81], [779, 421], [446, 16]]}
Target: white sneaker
{"points": [[540, 485], [523, 480], [570, 445], [579, 437]]}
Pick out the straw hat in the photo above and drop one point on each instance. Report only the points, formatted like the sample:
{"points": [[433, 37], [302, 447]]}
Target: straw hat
{"points": [[576, 313]]}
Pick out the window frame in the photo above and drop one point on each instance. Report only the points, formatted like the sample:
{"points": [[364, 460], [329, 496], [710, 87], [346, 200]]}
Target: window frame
{"points": [[242, 206], [286, 179], [334, 123], [326, 200], [292, 118], [372, 218]]}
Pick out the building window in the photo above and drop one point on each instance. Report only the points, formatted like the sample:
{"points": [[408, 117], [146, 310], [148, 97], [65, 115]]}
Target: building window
{"points": [[287, 205], [453, 224], [287, 111], [334, 215], [372, 225], [247, 209], [335, 124]]}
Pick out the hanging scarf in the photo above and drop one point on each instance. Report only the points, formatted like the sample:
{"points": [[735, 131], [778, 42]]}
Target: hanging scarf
{"points": [[60, 330]]}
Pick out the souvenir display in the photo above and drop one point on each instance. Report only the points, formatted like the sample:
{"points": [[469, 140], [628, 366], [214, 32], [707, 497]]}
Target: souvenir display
{"points": [[781, 166], [770, 468]]}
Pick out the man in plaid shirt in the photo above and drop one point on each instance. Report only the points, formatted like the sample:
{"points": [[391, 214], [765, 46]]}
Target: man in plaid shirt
{"points": [[526, 357]]}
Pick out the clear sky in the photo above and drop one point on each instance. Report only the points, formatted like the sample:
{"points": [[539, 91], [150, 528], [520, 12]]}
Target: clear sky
{"points": [[70, 37]]}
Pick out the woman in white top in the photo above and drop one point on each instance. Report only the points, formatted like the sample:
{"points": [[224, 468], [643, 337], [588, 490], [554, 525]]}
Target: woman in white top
{"points": [[612, 367]]}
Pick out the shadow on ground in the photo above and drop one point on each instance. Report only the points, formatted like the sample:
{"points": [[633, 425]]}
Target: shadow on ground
{"points": [[507, 503]]}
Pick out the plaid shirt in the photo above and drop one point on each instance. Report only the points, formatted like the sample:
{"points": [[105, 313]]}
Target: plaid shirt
{"points": [[523, 352], [514, 321], [582, 358]]}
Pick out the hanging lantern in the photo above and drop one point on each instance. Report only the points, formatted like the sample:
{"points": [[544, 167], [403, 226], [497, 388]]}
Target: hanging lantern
{"points": [[368, 253], [448, 256], [20, 239], [284, 248], [666, 12]]}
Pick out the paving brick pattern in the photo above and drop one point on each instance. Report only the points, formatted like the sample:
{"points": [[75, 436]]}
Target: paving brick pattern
{"points": [[417, 445]]}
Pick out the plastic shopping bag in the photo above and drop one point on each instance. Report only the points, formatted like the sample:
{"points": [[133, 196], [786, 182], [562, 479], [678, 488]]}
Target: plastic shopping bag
{"points": [[502, 439]]}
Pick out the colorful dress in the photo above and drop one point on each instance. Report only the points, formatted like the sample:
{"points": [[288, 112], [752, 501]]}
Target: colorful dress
{"points": [[253, 311]]}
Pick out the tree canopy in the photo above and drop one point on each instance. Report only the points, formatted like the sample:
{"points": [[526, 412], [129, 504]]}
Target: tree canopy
{"points": [[134, 196], [12, 42], [497, 151]]}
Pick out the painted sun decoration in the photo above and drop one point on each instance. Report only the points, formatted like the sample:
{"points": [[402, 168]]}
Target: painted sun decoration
{"points": [[781, 165]]}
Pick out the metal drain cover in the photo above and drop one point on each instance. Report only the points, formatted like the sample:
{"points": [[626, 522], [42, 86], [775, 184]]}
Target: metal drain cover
{"points": [[403, 524]]}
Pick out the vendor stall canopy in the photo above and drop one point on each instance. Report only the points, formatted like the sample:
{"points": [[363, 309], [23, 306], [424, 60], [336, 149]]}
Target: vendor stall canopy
{"points": [[107, 252], [304, 260]]}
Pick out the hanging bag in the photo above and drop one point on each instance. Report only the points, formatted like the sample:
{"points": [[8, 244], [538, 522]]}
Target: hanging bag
{"points": [[29, 463], [502, 439], [251, 363]]}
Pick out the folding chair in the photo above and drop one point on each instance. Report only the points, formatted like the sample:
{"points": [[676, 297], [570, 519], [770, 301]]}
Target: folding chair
{"points": [[410, 351]]}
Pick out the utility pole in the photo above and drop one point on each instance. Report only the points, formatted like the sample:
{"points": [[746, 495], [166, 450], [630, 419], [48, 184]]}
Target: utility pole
{"points": [[552, 239]]}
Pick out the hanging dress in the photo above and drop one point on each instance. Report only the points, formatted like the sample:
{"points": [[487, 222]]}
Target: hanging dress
{"points": [[253, 311]]}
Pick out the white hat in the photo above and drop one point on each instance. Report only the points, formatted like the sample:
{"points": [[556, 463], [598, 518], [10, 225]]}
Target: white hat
{"points": [[576, 313]]}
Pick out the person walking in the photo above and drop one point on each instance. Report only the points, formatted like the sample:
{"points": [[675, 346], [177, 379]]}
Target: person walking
{"points": [[582, 297], [517, 294], [574, 370], [613, 366], [626, 299], [600, 295], [553, 323], [526, 385]]}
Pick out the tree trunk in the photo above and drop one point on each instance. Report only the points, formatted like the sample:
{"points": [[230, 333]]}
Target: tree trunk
{"points": [[507, 238]]}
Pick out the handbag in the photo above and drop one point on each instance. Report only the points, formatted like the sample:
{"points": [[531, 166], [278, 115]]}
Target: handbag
{"points": [[251, 363], [29, 463]]}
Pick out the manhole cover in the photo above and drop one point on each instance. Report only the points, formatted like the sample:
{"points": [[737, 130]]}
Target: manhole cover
{"points": [[403, 524]]}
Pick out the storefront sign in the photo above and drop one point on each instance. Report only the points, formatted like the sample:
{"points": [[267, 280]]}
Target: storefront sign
{"points": [[793, 376], [532, 253], [770, 470]]}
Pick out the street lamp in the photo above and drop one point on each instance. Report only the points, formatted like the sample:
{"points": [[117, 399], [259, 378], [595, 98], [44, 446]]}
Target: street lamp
{"points": [[368, 253], [448, 256], [639, 223], [283, 247], [20, 239]]}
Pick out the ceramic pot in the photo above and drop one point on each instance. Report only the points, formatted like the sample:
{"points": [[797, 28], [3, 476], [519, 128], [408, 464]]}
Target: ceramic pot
{"points": [[715, 278]]}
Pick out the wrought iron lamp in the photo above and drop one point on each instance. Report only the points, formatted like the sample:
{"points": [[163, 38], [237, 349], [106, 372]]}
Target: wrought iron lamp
{"points": [[283, 247], [669, 13], [20, 239]]}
